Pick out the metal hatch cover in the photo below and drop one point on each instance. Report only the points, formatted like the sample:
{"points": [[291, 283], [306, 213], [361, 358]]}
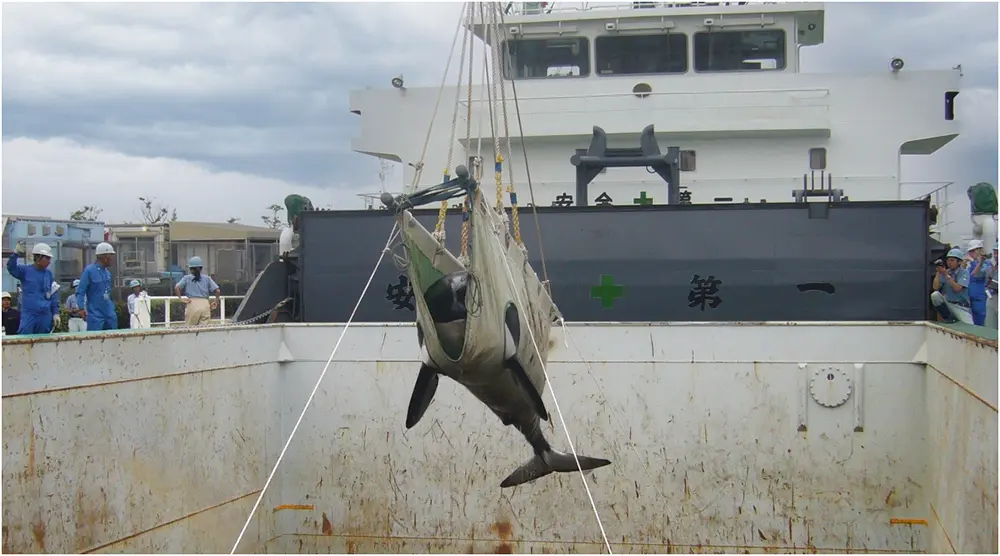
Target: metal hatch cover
{"points": [[830, 387]]}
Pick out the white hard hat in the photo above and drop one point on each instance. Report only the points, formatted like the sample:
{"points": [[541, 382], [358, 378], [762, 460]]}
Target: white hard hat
{"points": [[76, 283], [134, 283], [974, 244], [41, 249], [105, 248], [5, 295]]}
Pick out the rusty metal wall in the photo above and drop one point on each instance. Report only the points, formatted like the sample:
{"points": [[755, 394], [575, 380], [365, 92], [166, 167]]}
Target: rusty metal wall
{"points": [[961, 410], [137, 442], [701, 422], [717, 441]]}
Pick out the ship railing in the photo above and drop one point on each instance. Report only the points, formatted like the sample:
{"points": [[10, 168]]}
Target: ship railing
{"points": [[938, 193], [542, 8], [220, 315]]}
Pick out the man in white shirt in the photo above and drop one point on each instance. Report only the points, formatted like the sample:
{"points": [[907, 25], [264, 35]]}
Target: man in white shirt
{"points": [[138, 306]]}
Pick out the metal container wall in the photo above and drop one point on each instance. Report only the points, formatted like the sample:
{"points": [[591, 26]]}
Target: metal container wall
{"points": [[961, 404], [739, 262], [138, 442], [723, 438]]}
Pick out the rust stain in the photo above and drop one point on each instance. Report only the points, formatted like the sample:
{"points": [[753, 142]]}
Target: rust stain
{"points": [[402, 545], [907, 521], [91, 516], [280, 507], [502, 529], [964, 387], [327, 527], [978, 340], [352, 547], [167, 523], [38, 531], [31, 452]]}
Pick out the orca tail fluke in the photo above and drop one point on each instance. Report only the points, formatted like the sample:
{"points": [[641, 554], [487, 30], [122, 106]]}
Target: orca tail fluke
{"points": [[551, 461]]}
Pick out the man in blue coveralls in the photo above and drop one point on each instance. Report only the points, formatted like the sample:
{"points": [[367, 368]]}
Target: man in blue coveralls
{"points": [[951, 289], [991, 287], [40, 305], [980, 271], [94, 291]]}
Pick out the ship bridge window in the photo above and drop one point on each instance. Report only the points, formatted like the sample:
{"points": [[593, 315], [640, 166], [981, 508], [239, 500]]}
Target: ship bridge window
{"points": [[641, 54], [541, 58], [739, 50]]}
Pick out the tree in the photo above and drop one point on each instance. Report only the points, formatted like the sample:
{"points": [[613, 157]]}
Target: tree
{"points": [[86, 214], [154, 212], [232, 220], [274, 220]]}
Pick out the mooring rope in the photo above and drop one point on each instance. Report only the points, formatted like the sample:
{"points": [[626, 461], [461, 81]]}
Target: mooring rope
{"points": [[392, 235]]}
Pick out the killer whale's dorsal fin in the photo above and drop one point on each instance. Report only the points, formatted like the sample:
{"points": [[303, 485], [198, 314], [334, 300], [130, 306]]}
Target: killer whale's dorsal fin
{"points": [[423, 393], [527, 387]]}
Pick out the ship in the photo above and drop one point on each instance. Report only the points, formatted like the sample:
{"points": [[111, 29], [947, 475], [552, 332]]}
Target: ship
{"points": [[673, 163], [818, 425]]}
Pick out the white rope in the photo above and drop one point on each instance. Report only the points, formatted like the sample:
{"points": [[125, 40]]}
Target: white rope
{"points": [[479, 132], [600, 388], [548, 380], [347, 325], [419, 167]]}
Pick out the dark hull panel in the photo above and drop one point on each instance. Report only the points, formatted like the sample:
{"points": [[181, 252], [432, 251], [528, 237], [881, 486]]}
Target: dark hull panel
{"points": [[740, 262]]}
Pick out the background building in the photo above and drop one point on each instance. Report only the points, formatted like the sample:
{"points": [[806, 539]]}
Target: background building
{"points": [[67, 238]]}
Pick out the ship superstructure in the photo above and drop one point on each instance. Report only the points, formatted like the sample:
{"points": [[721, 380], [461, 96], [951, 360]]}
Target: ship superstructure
{"points": [[721, 82]]}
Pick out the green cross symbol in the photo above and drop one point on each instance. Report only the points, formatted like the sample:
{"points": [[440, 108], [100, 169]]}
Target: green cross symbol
{"points": [[607, 291], [642, 199]]}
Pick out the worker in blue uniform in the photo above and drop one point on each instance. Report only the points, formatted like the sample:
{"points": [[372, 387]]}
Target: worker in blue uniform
{"points": [[94, 291], [980, 272], [991, 289], [194, 290], [11, 316], [76, 322], [40, 301], [951, 288]]}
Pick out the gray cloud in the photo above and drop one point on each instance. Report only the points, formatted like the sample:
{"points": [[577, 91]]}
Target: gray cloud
{"points": [[928, 36], [261, 90], [257, 88]]}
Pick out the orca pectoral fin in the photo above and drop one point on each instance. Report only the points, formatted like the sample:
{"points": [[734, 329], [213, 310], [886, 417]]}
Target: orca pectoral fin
{"points": [[423, 393], [529, 389]]}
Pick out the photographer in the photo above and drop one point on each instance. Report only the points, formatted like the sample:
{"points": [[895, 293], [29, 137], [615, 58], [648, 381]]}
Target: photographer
{"points": [[951, 289]]}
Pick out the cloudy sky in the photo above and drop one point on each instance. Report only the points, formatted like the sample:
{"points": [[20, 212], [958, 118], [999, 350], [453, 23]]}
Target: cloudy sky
{"points": [[219, 110]]}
